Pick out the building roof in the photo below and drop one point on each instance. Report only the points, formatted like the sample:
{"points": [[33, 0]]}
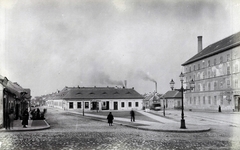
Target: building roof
{"points": [[215, 48], [14, 87], [98, 93], [172, 95]]}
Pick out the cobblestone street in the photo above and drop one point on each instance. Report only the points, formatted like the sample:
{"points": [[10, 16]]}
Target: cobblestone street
{"points": [[72, 132]]}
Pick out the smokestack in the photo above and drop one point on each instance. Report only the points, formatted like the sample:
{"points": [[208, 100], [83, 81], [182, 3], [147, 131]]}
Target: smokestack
{"points": [[199, 43], [155, 86], [125, 83]]}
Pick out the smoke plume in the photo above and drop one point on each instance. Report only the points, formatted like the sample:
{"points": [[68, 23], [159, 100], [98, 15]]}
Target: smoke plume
{"points": [[145, 76], [103, 78]]}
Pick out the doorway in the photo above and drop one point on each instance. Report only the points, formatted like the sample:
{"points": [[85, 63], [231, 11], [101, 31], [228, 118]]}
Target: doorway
{"points": [[115, 105]]}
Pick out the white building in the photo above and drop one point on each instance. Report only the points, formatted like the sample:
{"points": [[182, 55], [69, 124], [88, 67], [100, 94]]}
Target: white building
{"points": [[96, 98]]}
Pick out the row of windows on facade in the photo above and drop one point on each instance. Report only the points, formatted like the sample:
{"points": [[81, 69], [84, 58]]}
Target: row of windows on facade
{"points": [[210, 74], [208, 64], [215, 85], [207, 101], [86, 104]]}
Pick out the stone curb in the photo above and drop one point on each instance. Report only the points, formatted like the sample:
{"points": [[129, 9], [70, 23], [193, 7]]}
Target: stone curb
{"points": [[28, 129]]}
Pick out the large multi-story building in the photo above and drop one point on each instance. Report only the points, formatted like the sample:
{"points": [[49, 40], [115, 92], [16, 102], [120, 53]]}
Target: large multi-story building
{"points": [[215, 70]]}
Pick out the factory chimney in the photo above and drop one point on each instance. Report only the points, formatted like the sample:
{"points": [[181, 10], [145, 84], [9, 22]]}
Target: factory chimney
{"points": [[199, 43], [155, 87]]}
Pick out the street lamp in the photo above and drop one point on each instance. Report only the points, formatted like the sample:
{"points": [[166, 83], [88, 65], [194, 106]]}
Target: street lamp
{"points": [[192, 85]]}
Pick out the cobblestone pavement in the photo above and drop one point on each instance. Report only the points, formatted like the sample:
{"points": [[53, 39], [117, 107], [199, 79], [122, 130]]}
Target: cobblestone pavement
{"points": [[73, 132]]}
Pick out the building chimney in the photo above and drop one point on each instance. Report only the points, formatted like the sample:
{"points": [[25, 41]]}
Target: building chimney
{"points": [[125, 83], [199, 43]]}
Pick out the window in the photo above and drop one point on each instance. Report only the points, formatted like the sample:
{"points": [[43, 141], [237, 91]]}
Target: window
{"points": [[215, 85], [221, 84], [136, 104], [194, 67], [209, 86], [190, 100], [236, 83], [70, 105], [228, 69], [203, 99], [214, 73], [203, 75], [198, 66], [194, 100], [203, 64], [203, 87], [129, 104], [209, 99], [122, 104], [236, 68], [199, 100], [228, 57], [199, 88], [228, 83], [215, 61], [79, 105], [86, 104], [221, 59], [209, 63], [209, 74], [189, 68]]}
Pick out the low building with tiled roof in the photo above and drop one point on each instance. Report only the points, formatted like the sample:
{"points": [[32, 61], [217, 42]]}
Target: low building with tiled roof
{"points": [[97, 98], [215, 70], [172, 99]]}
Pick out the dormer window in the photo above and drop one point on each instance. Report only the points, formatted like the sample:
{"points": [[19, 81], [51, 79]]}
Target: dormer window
{"points": [[128, 92], [79, 93], [104, 93], [116, 93], [91, 93]]}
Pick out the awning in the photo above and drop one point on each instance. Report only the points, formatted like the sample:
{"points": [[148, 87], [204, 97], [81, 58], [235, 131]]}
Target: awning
{"points": [[13, 87]]}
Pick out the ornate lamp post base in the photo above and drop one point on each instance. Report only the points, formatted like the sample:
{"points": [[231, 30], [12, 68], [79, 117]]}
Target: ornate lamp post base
{"points": [[183, 126]]}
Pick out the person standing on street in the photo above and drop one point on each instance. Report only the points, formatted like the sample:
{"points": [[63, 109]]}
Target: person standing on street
{"points": [[110, 119], [132, 113], [25, 118]]}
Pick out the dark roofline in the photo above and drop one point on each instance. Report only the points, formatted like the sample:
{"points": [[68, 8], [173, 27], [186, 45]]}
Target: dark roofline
{"points": [[214, 52]]}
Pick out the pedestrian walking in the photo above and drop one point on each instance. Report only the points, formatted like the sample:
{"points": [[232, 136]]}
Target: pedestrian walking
{"points": [[38, 114], [11, 118], [132, 113], [110, 119], [25, 116]]}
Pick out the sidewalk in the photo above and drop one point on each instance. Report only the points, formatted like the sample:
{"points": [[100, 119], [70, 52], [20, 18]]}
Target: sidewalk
{"points": [[33, 125], [163, 124]]}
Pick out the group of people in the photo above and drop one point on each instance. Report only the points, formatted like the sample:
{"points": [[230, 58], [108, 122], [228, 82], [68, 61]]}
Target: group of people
{"points": [[110, 117], [24, 117], [36, 114]]}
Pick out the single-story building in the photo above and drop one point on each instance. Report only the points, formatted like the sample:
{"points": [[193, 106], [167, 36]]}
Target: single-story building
{"points": [[96, 98], [172, 99]]}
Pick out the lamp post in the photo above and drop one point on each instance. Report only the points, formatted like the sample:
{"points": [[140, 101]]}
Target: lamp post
{"points": [[192, 85]]}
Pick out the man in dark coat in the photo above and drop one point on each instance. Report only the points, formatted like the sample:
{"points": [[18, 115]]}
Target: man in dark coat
{"points": [[132, 113], [110, 119], [25, 118]]}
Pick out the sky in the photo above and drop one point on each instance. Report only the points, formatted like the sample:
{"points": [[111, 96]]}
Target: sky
{"points": [[46, 45]]}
